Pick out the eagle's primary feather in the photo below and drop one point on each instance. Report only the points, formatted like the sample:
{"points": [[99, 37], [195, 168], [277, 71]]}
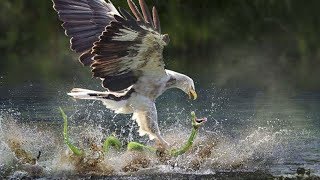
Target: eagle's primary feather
{"points": [[125, 52]]}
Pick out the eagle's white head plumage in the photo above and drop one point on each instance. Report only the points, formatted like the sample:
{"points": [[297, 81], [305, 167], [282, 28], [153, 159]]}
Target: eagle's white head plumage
{"points": [[125, 52]]}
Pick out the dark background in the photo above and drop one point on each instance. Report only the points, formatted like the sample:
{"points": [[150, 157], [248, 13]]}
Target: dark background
{"points": [[268, 45]]}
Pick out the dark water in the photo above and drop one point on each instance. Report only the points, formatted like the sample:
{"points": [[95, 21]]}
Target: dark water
{"points": [[274, 133]]}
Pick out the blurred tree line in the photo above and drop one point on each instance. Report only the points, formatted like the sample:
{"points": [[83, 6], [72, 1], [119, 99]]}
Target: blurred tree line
{"points": [[254, 43]]}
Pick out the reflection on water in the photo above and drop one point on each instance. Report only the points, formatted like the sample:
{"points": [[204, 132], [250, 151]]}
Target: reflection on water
{"points": [[246, 131]]}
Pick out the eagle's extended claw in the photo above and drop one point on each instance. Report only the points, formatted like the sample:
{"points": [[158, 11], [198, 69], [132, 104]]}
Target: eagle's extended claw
{"points": [[162, 144]]}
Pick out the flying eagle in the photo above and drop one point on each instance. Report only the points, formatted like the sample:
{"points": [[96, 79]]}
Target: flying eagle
{"points": [[125, 52]]}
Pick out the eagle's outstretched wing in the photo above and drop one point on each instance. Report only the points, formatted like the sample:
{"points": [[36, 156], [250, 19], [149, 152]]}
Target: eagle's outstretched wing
{"points": [[120, 48], [84, 21]]}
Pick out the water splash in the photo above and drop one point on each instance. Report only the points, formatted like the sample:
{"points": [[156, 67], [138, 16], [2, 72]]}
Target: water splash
{"points": [[211, 151]]}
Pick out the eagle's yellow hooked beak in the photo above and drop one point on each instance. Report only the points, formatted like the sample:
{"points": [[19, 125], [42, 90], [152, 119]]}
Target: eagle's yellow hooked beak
{"points": [[192, 94]]}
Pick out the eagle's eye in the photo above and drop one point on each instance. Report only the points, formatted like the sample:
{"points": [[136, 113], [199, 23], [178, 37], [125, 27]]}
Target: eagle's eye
{"points": [[166, 38]]}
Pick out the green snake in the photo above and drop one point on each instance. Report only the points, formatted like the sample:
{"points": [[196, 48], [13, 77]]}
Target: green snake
{"points": [[113, 142]]}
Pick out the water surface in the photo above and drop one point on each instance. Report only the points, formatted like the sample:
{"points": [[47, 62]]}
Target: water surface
{"points": [[247, 131]]}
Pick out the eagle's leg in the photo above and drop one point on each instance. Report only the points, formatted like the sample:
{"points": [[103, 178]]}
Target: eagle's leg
{"points": [[154, 121], [161, 142], [147, 119], [148, 124]]}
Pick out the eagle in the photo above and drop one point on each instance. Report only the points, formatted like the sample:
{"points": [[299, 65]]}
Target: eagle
{"points": [[126, 52]]}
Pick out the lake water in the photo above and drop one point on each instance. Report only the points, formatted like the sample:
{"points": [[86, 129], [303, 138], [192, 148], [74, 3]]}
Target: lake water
{"points": [[247, 131]]}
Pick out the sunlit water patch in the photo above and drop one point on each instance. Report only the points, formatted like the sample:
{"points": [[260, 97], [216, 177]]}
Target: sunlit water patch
{"points": [[244, 133]]}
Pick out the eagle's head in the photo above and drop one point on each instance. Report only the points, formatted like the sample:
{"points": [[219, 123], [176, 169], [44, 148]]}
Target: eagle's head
{"points": [[186, 84], [183, 82]]}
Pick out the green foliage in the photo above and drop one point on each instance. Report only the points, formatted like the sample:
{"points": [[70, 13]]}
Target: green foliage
{"points": [[72, 147], [134, 146], [193, 135], [114, 142], [111, 141]]}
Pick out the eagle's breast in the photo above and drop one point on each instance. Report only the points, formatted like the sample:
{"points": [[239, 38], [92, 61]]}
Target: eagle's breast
{"points": [[151, 87]]}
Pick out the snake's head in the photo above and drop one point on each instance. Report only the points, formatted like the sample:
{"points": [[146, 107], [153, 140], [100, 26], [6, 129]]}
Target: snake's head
{"points": [[197, 122]]}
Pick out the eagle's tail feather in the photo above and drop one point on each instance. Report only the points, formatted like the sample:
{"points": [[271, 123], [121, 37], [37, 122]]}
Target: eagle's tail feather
{"points": [[79, 93]]}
